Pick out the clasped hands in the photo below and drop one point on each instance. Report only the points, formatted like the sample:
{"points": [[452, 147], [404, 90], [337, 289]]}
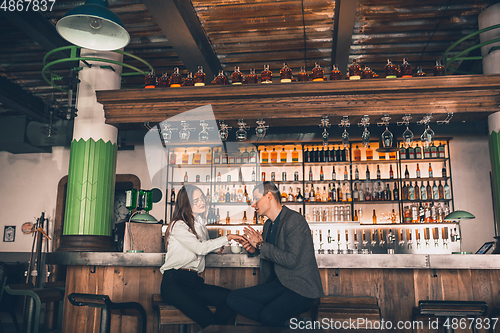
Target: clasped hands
{"points": [[250, 240]]}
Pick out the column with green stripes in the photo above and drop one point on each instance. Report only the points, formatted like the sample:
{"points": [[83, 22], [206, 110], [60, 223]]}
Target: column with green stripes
{"points": [[494, 138]]}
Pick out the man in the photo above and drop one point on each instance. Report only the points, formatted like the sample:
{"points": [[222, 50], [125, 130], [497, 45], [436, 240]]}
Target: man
{"points": [[290, 280]]}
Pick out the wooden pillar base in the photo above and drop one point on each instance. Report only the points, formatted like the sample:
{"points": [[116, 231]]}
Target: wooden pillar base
{"points": [[86, 243]]}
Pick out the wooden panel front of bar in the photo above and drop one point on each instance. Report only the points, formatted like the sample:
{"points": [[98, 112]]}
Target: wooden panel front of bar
{"points": [[397, 290]]}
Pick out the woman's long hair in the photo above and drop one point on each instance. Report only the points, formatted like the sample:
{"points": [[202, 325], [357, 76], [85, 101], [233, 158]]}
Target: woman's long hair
{"points": [[183, 210]]}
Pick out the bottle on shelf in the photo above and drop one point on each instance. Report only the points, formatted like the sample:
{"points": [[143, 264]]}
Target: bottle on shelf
{"points": [[356, 173], [236, 76], [263, 178], [295, 155], [306, 193], [285, 74], [284, 196], [369, 153], [317, 197], [228, 178], [378, 171], [435, 192], [367, 173], [274, 156], [395, 192], [368, 195], [291, 197], [390, 70], [443, 170], [255, 219], [273, 176], [253, 156], [423, 192], [421, 213], [447, 193], [428, 190], [417, 191], [252, 78], [150, 80], [175, 78], [186, 177], [334, 175], [430, 171], [406, 70], [324, 195], [411, 153], [418, 171], [387, 193], [418, 152], [312, 194], [185, 157], [402, 152], [355, 217], [240, 175], [217, 216], [228, 219], [434, 151], [310, 174], [266, 76], [299, 197], [253, 174], [245, 195], [391, 173], [392, 155], [427, 152], [335, 74], [238, 157], [404, 192], [357, 154], [283, 176], [231, 159], [222, 194], [374, 217], [354, 70], [317, 73], [346, 174], [197, 157], [228, 195], [199, 77], [440, 191], [224, 158], [302, 76], [244, 220], [407, 174], [172, 196], [265, 156], [407, 215], [283, 156], [239, 194], [355, 193], [441, 153], [172, 159], [234, 195], [411, 192], [321, 174], [296, 176]]}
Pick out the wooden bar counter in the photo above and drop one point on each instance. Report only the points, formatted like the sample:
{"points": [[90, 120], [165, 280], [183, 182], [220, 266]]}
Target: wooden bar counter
{"points": [[398, 281]]}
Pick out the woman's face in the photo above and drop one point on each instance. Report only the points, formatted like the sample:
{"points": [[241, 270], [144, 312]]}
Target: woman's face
{"points": [[198, 202]]}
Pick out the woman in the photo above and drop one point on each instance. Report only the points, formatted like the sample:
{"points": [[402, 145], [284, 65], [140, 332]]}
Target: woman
{"points": [[187, 243]]}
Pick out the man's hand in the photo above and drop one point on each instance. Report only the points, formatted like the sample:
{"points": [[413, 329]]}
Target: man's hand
{"points": [[253, 236], [247, 246]]}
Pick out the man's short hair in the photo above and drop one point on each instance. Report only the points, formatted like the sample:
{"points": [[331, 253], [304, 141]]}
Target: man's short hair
{"points": [[267, 186]]}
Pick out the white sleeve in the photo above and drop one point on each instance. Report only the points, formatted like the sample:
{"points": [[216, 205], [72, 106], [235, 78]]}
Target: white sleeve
{"points": [[189, 241]]}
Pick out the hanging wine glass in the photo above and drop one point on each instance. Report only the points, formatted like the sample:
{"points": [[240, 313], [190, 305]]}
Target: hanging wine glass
{"points": [[408, 136], [365, 137], [387, 138], [325, 123], [345, 138], [241, 133], [166, 132], [203, 136], [261, 130], [184, 133], [325, 136], [224, 130], [428, 136]]}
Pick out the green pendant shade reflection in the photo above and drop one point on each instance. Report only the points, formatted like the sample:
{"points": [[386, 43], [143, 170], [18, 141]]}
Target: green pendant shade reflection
{"points": [[494, 140], [91, 188], [459, 215]]}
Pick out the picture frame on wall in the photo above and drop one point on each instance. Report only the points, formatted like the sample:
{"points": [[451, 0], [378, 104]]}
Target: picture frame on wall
{"points": [[9, 233]]}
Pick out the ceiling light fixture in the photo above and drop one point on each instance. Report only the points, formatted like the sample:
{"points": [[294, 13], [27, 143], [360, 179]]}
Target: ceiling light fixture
{"points": [[93, 26]]}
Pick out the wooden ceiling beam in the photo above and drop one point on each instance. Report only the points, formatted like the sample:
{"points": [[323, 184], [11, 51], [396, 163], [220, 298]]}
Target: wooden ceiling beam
{"points": [[345, 12], [180, 24], [12, 96]]}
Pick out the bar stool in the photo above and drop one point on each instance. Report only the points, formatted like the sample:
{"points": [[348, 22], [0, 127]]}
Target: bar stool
{"points": [[37, 297], [450, 309], [107, 306]]}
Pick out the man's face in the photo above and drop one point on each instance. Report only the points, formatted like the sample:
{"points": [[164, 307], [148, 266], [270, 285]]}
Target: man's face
{"points": [[261, 203]]}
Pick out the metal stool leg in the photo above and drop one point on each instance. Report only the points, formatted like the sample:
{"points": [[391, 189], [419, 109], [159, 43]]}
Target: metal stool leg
{"points": [[105, 320]]}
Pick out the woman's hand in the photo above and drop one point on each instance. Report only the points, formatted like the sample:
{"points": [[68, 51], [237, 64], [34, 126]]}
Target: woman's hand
{"points": [[254, 237], [237, 238]]}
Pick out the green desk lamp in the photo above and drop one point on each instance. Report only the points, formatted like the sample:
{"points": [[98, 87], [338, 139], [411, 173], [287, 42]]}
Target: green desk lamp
{"points": [[457, 216]]}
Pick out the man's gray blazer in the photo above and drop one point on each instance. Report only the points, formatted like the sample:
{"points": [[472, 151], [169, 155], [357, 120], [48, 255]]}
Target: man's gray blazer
{"points": [[293, 255]]}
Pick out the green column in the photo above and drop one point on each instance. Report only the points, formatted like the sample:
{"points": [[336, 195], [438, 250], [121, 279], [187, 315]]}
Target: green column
{"points": [[91, 188]]}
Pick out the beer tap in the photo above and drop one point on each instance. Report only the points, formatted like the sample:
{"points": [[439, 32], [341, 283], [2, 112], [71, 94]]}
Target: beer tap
{"points": [[329, 242], [321, 250], [372, 238], [445, 237], [455, 237], [364, 239], [356, 243], [381, 237], [401, 240], [417, 236], [435, 235], [339, 243], [391, 239], [427, 237], [409, 234], [347, 241]]}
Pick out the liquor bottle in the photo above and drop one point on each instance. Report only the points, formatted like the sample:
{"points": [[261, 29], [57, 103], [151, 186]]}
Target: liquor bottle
{"points": [[423, 192], [346, 175], [306, 193], [296, 176], [345, 154], [175, 78], [411, 192], [286, 74], [197, 157], [299, 197], [407, 174], [335, 74], [427, 210], [348, 193], [367, 173], [236, 76], [307, 155], [231, 159], [438, 69], [428, 190], [338, 155], [411, 153], [366, 73], [440, 191], [239, 194], [434, 219], [274, 156], [283, 176], [173, 158], [339, 193], [406, 71], [395, 192], [255, 219], [443, 171], [334, 175], [150, 80], [238, 157], [435, 192], [387, 194], [245, 157], [324, 157], [252, 78], [324, 195], [354, 71], [310, 174], [234, 195], [404, 192], [314, 155], [228, 219], [186, 177], [447, 193], [312, 196], [222, 195], [263, 176], [418, 152], [390, 70], [378, 171], [265, 156], [216, 157], [253, 174], [427, 152], [418, 171], [355, 218], [224, 158], [369, 153], [421, 213], [217, 216], [283, 156], [208, 157], [228, 195], [407, 215], [317, 197], [356, 173], [284, 197], [334, 193], [163, 81], [430, 171], [273, 176], [381, 155], [172, 196], [321, 174], [392, 155], [295, 155], [253, 156], [266, 76], [434, 151], [441, 153], [419, 72], [199, 77], [374, 217], [244, 220], [357, 154], [317, 73], [221, 78], [391, 173], [355, 193], [185, 157], [417, 191], [402, 153], [188, 81], [368, 195], [246, 198], [302, 76]]}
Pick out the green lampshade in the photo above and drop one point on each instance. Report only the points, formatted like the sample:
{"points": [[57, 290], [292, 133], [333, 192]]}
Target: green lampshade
{"points": [[144, 218], [459, 215], [93, 26]]}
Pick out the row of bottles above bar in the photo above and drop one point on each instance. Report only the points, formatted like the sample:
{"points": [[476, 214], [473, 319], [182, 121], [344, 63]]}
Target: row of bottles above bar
{"points": [[317, 74]]}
